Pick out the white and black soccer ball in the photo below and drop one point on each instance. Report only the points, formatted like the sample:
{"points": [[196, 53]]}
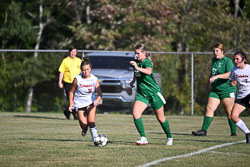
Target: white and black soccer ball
{"points": [[100, 140]]}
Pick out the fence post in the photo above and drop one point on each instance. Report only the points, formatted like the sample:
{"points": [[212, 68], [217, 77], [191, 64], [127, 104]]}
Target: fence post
{"points": [[192, 83]]}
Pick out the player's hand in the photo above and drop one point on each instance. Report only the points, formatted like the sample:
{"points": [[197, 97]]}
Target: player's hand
{"points": [[233, 83], [133, 63], [70, 108], [212, 79], [60, 84], [95, 104], [132, 84]]}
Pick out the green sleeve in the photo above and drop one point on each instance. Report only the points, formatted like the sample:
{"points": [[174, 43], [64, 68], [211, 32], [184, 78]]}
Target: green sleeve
{"points": [[148, 64], [229, 65]]}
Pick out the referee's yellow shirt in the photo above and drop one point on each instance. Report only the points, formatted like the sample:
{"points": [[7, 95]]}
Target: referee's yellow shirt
{"points": [[70, 68]]}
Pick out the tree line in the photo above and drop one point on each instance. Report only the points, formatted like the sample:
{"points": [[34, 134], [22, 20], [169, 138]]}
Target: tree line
{"points": [[164, 25]]}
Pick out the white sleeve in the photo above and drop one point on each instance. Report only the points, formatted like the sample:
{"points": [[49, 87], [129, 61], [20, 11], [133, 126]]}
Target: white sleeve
{"points": [[231, 76]]}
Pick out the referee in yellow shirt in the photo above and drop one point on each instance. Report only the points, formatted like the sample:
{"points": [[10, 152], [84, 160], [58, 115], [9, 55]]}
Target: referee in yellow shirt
{"points": [[69, 68]]}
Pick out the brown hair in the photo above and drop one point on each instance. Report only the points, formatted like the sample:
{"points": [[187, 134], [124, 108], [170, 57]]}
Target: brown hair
{"points": [[71, 48], [86, 61], [242, 55]]}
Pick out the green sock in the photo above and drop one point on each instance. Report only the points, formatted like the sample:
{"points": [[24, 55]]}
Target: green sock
{"points": [[206, 122], [140, 127], [166, 128], [232, 126]]}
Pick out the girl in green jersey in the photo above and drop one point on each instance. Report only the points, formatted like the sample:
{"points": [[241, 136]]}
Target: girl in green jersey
{"points": [[147, 92], [220, 92]]}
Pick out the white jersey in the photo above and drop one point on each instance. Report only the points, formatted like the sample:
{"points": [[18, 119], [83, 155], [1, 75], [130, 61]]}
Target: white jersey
{"points": [[242, 77], [85, 91]]}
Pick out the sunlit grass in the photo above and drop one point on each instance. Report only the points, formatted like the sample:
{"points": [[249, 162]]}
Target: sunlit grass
{"points": [[47, 139]]}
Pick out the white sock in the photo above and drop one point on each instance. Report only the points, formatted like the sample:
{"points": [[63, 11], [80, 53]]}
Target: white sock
{"points": [[93, 132], [240, 124]]}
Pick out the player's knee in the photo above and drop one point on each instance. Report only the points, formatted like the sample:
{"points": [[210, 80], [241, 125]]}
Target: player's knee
{"points": [[136, 115], [234, 116], [161, 119]]}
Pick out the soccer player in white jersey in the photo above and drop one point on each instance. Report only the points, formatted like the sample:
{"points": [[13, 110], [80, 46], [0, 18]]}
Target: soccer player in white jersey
{"points": [[240, 76], [82, 98]]}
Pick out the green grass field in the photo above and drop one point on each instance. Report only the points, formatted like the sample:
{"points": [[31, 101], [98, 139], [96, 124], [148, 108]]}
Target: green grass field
{"points": [[47, 139]]}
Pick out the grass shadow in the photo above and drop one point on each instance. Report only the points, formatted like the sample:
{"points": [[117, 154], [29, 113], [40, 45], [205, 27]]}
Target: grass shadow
{"points": [[38, 117], [61, 140]]}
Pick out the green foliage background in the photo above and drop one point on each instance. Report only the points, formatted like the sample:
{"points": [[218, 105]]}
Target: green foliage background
{"points": [[164, 25]]}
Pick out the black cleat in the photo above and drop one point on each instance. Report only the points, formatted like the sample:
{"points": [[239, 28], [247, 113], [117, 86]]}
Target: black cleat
{"points": [[233, 134], [248, 138], [74, 115], [67, 114], [199, 133]]}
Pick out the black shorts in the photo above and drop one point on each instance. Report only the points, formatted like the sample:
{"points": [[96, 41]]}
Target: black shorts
{"points": [[67, 87], [244, 101], [83, 108]]}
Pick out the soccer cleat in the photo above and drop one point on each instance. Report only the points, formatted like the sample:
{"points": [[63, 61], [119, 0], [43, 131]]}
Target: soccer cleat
{"points": [[67, 114], [248, 138], [233, 134], [84, 133], [142, 141], [199, 133], [169, 142]]}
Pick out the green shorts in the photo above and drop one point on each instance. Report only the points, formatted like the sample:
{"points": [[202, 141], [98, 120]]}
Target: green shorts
{"points": [[156, 101], [222, 96]]}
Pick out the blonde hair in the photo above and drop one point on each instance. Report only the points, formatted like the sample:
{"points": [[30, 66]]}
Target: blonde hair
{"points": [[220, 46], [141, 47]]}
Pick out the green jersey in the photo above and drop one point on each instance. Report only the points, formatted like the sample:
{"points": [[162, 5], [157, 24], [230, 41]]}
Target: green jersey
{"points": [[221, 66], [146, 84]]}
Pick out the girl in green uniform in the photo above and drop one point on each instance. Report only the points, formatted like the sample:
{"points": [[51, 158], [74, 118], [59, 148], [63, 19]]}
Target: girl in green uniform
{"points": [[147, 92], [220, 91]]}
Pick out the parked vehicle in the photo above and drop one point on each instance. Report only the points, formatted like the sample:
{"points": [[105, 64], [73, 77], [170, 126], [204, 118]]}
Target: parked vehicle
{"points": [[115, 73]]}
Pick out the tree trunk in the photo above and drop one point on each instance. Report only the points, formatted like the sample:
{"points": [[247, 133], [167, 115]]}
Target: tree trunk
{"points": [[39, 35], [29, 101], [236, 11], [236, 6], [88, 12]]}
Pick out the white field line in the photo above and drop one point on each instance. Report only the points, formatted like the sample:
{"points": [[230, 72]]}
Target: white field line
{"points": [[190, 154], [227, 153]]}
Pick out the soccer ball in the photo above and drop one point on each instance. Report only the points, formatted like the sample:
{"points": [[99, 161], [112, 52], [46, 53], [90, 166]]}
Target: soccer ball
{"points": [[100, 140]]}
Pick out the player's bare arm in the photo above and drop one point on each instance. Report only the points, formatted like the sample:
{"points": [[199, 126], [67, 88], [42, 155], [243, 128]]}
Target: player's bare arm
{"points": [[99, 94], [147, 70], [219, 76], [71, 93]]}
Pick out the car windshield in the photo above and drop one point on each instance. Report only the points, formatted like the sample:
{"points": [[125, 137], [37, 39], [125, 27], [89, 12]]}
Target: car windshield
{"points": [[111, 62]]}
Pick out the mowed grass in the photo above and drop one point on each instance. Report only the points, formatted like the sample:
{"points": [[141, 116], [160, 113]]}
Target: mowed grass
{"points": [[47, 139]]}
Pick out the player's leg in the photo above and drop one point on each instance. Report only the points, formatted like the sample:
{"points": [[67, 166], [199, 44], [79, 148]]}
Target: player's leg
{"points": [[91, 111], [228, 106], [138, 109], [67, 87], [237, 109], [212, 104], [83, 121], [66, 101], [157, 103], [164, 124]]}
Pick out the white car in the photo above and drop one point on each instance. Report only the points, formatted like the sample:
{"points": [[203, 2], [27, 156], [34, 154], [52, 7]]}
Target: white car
{"points": [[114, 73]]}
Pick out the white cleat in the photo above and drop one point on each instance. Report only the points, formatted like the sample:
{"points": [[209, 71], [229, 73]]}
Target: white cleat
{"points": [[142, 141], [169, 142]]}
